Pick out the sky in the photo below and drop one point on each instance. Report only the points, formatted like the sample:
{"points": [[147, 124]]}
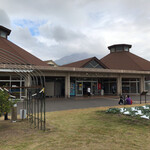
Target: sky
{"points": [[51, 29]]}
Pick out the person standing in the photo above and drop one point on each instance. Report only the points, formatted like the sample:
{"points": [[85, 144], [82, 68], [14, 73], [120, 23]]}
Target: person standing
{"points": [[113, 89], [89, 91]]}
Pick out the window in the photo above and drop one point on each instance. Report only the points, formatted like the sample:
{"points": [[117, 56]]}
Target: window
{"points": [[126, 48], [119, 48], [3, 34], [112, 49], [93, 64], [130, 85]]}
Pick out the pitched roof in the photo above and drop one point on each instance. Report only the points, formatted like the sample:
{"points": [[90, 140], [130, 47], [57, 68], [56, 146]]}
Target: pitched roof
{"points": [[125, 61], [51, 63], [11, 53], [82, 63]]}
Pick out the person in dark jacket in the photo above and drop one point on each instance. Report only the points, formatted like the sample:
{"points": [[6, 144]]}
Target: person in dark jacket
{"points": [[121, 101]]}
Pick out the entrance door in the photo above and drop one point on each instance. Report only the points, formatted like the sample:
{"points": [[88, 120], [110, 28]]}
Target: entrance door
{"points": [[85, 87], [94, 89], [79, 88]]}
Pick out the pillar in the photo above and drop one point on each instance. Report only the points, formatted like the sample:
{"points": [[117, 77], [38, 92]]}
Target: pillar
{"points": [[119, 85], [67, 86], [28, 81], [142, 79]]}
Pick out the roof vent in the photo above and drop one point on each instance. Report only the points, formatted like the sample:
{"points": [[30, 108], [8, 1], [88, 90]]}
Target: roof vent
{"points": [[119, 48], [4, 32]]}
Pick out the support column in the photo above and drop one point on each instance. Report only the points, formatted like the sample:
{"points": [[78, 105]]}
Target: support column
{"points": [[67, 86], [142, 79], [27, 83], [119, 85]]}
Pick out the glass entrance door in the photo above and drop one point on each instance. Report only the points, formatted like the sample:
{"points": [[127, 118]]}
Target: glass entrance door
{"points": [[79, 88]]}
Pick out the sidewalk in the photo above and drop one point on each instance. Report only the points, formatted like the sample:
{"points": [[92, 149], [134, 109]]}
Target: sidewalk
{"points": [[58, 104]]}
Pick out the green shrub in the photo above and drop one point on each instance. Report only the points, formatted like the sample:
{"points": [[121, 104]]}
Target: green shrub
{"points": [[5, 102], [113, 110]]}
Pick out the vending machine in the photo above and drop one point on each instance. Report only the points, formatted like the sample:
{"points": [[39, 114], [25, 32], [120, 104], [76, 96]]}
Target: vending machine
{"points": [[72, 89]]}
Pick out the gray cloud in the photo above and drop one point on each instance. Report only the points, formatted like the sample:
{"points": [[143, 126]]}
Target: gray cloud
{"points": [[78, 26], [59, 33], [56, 10], [4, 19]]}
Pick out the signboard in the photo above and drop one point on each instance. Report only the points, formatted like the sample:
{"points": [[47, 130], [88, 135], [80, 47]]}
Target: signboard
{"points": [[99, 86]]}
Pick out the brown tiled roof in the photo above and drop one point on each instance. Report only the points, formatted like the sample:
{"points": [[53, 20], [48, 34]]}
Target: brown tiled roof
{"points": [[11, 53], [125, 61], [82, 63]]}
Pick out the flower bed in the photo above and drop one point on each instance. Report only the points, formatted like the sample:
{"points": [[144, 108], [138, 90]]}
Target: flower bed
{"points": [[141, 111]]}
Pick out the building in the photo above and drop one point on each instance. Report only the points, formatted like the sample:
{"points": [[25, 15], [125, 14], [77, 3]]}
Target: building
{"points": [[120, 72], [51, 63], [131, 72], [15, 64]]}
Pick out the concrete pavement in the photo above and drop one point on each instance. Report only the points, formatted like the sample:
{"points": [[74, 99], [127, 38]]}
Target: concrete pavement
{"points": [[59, 104]]}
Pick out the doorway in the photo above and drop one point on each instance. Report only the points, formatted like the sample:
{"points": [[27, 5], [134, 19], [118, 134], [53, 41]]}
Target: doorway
{"points": [[85, 87], [81, 87]]}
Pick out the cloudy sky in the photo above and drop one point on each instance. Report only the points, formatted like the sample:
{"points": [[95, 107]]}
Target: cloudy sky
{"points": [[51, 29]]}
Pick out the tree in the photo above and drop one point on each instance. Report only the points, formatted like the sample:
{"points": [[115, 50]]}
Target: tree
{"points": [[6, 103]]}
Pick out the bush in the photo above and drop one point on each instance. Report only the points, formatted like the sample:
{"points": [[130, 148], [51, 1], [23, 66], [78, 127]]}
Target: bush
{"points": [[5, 102], [113, 110]]}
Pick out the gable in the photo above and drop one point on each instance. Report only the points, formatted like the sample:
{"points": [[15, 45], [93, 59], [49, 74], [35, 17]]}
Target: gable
{"points": [[93, 64]]}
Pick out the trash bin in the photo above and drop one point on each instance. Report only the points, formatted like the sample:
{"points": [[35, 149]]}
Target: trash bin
{"points": [[102, 92], [14, 113]]}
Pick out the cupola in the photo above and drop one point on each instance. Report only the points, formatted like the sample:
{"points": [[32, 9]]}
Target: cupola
{"points": [[4, 32], [119, 48]]}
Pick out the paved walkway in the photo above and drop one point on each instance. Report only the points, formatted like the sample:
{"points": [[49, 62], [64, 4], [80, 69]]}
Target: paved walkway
{"points": [[59, 104], [79, 103]]}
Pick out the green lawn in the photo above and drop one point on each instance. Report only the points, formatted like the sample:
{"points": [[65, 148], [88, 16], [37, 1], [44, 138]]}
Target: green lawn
{"points": [[84, 129]]}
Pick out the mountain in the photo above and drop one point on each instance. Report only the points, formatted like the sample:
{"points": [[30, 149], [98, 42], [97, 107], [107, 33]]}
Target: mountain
{"points": [[72, 58]]}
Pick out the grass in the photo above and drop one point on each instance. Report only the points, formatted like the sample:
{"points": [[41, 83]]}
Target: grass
{"points": [[83, 129]]}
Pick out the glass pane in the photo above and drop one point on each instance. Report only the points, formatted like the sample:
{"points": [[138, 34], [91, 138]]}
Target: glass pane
{"points": [[79, 88], [126, 48], [94, 88], [125, 87], [112, 49], [147, 86], [119, 48], [3, 34], [106, 87], [133, 87]]}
